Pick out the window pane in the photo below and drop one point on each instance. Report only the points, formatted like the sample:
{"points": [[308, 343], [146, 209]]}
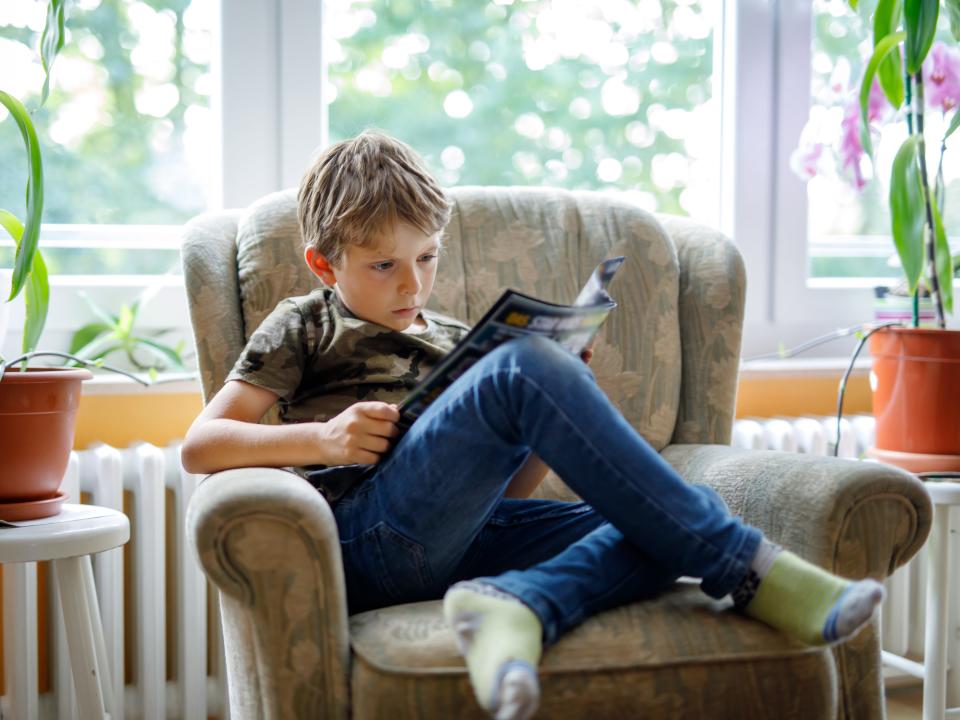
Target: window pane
{"points": [[849, 228], [126, 133], [599, 94]]}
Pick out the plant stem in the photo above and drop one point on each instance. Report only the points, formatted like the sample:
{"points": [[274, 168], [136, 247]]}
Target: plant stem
{"points": [[86, 363], [908, 101], [931, 234], [941, 191]]}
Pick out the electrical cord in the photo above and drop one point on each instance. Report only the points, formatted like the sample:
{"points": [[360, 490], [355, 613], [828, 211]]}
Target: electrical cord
{"points": [[843, 381], [835, 335], [870, 329]]}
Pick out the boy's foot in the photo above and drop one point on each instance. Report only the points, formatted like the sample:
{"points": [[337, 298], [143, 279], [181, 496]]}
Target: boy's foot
{"points": [[805, 601], [500, 638]]}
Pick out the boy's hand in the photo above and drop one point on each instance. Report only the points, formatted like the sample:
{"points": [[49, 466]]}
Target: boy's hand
{"points": [[360, 434]]}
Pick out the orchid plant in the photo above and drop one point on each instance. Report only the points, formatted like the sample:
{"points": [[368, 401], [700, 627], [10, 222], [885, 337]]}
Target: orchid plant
{"points": [[906, 75]]}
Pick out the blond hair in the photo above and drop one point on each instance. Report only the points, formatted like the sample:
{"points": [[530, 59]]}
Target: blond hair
{"points": [[359, 188]]}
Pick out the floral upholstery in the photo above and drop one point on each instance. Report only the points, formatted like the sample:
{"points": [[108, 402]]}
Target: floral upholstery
{"points": [[668, 357]]}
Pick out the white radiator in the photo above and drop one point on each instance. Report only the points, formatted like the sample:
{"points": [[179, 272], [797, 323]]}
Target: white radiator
{"points": [[902, 617], [150, 475]]}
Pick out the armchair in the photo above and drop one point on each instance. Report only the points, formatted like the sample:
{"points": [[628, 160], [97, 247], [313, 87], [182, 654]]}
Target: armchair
{"points": [[668, 357]]}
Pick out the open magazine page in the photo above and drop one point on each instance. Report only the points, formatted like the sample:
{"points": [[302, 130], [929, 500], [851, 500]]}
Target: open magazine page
{"points": [[513, 315]]}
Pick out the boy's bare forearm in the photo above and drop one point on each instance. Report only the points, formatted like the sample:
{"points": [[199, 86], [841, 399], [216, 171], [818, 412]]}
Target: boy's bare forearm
{"points": [[527, 479], [221, 444]]}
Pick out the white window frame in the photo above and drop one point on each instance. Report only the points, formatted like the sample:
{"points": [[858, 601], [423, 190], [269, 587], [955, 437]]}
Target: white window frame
{"points": [[271, 116], [271, 111], [785, 306], [766, 102]]}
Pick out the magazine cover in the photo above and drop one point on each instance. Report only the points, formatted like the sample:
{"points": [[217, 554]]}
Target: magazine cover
{"points": [[515, 314]]}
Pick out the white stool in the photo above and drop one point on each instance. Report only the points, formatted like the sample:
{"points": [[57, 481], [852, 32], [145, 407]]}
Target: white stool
{"points": [[68, 542]]}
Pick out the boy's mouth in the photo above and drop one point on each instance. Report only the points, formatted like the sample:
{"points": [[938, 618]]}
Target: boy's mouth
{"points": [[406, 312]]}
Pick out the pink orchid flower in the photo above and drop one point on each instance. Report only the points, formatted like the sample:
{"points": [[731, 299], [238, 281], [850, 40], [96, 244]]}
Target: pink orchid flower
{"points": [[877, 105], [805, 160], [941, 73], [851, 149]]}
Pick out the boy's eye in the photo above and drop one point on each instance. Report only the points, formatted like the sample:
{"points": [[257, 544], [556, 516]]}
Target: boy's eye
{"points": [[428, 257], [381, 267]]}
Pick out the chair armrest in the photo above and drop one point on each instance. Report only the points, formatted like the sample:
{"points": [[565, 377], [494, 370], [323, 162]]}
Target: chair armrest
{"points": [[268, 541], [854, 518]]}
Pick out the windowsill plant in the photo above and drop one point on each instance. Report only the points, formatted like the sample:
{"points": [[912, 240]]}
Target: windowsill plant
{"points": [[916, 370], [38, 405]]}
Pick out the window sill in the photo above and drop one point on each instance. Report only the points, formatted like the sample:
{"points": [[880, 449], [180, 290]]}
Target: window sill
{"points": [[105, 383], [830, 367]]}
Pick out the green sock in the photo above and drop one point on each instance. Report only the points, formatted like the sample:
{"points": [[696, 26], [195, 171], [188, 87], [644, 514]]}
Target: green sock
{"points": [[811, 604], [501, 640]]}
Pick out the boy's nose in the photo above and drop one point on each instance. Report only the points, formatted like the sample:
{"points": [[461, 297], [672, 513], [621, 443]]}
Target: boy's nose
{"points": [[410, 283]]}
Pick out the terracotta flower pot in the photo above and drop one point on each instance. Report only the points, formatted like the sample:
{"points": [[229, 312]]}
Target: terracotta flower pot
{"points": [[37, 418], [916, 390]]}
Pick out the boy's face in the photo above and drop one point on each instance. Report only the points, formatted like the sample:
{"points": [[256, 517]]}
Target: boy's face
{"points": [[388, 283]]}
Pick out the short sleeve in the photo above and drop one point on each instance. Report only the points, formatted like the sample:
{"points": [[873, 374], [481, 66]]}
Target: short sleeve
{"points": [[276, 354]]}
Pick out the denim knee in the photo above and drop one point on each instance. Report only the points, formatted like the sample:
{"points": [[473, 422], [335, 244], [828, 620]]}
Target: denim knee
{"points": [[535, 356]]}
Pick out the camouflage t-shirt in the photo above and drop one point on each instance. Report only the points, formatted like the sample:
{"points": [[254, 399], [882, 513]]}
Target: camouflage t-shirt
{"points": [[319, 359]]}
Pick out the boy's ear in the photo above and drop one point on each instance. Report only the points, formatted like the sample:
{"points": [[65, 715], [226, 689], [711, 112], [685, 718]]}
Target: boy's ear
{"points": [[319, 266]]}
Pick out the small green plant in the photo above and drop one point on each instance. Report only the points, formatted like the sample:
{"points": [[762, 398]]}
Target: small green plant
{"points": [[29, 269], [116, 333]]}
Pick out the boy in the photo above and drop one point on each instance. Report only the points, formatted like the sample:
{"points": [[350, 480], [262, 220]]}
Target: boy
{"points": [[446, 513]]}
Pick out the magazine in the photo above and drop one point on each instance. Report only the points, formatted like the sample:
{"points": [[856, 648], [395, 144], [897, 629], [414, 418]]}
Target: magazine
{"points": [[513, 315]]}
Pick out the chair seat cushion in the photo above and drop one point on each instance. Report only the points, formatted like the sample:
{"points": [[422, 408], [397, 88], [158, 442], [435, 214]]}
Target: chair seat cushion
{"points": [[682, 655]]}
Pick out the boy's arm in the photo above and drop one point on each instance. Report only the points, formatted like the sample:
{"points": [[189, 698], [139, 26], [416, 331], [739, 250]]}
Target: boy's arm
{"points": [[527, 478], [227, 434]]}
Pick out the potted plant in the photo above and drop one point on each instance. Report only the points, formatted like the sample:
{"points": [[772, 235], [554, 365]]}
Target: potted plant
{"points": [[37, 405], [916, 370]]}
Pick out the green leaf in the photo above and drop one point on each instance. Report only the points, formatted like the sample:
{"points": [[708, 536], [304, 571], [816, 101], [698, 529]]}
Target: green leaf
{"points": [[883, 48], [885, 21], [14, 228], [51, 42], [36, 302], [954, 124], [125, 320], [86, 335], [953, 12], [98, 311], [920, 22], [907, 211], [99, 348], [10, 223], [162, 351], [27, 245], [943, 261]]}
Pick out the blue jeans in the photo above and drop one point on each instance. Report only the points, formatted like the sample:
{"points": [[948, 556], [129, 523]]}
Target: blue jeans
{"points": [[433, 512]]}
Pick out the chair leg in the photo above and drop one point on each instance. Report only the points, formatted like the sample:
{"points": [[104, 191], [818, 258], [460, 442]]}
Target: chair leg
{"points": [[78, 620]]}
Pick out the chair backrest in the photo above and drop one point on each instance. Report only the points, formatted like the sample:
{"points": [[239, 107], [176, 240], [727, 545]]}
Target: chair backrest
{"points": [[667, 356]]}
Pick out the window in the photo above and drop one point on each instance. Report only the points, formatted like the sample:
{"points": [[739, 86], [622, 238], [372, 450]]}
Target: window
{"points": [[687, 106], [849, 228], [601, 95], [126, 133], [815, 250], [129, 147]]}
